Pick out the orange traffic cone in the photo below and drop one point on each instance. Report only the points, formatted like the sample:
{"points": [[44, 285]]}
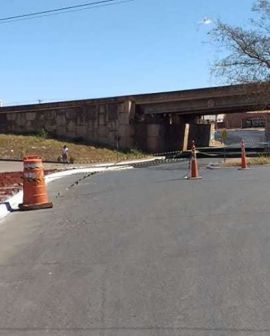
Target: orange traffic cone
{"points": [[194, 170], [243, 156], [35, 194]]}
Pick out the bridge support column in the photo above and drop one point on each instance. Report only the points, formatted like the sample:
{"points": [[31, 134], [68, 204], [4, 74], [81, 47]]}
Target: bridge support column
{"points": [[124, 137], [149, 137], [176, 134], [201, 134], [185, 137], [155, 138]]}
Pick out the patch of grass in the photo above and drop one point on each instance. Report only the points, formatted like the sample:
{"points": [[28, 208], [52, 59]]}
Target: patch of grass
{"points": [[17, 146], [256, 161], [43, 134], [260, 160]]}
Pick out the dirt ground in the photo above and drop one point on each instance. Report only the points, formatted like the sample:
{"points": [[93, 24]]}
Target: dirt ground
{"points": [[15, 147], [12, 182]]}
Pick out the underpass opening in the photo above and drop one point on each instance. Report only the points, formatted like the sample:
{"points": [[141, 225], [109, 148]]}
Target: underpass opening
{"points": [[169, 132]]}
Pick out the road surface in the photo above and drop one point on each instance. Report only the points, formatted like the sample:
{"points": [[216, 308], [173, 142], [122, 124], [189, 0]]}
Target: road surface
{"points": [[252, 137], [142, 252]]}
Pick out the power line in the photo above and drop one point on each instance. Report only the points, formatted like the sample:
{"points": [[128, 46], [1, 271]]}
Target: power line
{"points": [[55, 10], [62, 10]]}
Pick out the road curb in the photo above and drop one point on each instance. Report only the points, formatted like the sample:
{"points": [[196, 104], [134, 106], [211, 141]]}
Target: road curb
{"points": [[157, 161], [11, 204]]}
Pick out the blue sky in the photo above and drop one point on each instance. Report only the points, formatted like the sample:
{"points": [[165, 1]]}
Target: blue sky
{"points": [[137, 47]]}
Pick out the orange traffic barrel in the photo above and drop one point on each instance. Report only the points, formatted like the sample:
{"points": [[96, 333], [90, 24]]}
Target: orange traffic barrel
{"points": [[35, 194]]}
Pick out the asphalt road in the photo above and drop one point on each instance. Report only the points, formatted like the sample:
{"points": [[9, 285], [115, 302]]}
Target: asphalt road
{"points": [[252, 137], [141, 252]]}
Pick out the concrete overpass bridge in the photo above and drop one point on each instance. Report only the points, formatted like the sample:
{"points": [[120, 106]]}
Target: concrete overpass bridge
{"points": [[216, 100], [155, 122], [173, 118]]}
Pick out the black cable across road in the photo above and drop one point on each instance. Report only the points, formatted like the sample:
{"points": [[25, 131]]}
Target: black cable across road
{"points": [[62, 9]]}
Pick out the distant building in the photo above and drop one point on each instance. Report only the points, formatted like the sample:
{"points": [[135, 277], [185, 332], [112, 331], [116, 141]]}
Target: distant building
{"points": [[213, 118], [244, 120]]}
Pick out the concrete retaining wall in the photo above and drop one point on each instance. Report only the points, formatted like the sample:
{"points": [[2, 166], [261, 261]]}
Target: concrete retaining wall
{"points": [[109, 122], [105, 124]]}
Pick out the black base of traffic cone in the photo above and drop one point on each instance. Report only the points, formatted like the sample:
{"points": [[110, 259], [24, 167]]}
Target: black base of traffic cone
{"points": [[24, 207]]}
